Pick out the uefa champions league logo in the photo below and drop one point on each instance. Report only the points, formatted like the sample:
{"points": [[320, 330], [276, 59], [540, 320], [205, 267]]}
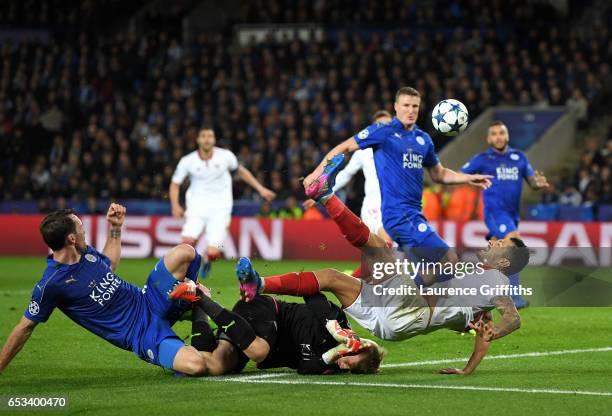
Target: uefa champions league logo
{"points": [[363, 134], [91, 257], [33, 308]]}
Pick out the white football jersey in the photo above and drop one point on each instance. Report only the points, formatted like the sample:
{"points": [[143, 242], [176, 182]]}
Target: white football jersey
{"points": [[211, 181], [403, 316], [362, 159], [455, 312]]}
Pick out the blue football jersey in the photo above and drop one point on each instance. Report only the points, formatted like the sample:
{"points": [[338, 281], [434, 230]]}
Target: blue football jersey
{"points": [[400, 157], [90, 294], [508, 170]]}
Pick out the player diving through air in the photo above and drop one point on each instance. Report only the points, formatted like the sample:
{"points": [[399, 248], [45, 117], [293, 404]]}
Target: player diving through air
{"points": [[372, 304]]}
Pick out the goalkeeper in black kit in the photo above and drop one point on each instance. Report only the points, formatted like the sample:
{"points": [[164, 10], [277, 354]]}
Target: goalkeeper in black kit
{"points": [[313, 337]]}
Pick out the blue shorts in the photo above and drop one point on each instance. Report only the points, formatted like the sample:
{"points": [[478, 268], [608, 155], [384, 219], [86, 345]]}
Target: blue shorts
{"points": [[500, 223], [157, 342], [415, 237]]}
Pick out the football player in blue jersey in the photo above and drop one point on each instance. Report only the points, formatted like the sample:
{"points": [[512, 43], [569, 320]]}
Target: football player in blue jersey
{"points": [[508, 167], [81, 282], [402, 151]]}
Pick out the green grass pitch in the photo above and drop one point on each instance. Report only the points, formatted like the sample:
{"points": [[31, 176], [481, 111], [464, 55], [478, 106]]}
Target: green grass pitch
{"points": [[61, 359]]}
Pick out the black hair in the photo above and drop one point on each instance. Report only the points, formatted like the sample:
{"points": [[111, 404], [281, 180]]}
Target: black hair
{"points": [[56, 226], [518, 256]]}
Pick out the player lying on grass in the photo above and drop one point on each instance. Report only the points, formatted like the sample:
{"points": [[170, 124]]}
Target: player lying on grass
{"points": [[313, 337], [82, 283], [404, 316]]}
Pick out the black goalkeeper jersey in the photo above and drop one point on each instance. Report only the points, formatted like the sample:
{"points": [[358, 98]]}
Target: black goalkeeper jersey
{"points": [[296, 332]]}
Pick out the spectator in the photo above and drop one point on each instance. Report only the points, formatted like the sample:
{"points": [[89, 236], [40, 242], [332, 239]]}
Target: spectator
{"points": [[570, 196], [578, 105], [292, 210], [265, 210], [550, 195], [286, 103]]}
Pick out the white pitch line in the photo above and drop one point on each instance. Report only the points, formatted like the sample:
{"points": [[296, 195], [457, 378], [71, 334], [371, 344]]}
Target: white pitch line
{"points": [[499, 357], [429, 386], [263, 376]]}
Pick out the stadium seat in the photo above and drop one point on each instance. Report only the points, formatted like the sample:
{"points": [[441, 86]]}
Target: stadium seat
{"points": [[571, 213], [542, 212], [604, 213]]}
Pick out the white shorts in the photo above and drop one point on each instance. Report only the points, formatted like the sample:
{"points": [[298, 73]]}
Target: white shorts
{"points": [[372, 217], [390, 317], [214, 225]]}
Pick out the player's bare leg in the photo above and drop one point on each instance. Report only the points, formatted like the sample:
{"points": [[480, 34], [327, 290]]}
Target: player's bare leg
{"points": [[210, 254], [190, 361], [178, 260]]}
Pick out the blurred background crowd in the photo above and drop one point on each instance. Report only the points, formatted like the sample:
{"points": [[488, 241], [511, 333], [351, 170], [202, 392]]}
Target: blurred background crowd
{"points": [[90, 112]]}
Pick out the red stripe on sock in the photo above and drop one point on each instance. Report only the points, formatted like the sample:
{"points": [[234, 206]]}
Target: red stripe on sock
{"points": [[354, 230], [297, 284]]}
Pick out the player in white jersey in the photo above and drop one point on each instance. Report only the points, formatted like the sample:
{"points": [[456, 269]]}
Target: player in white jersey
{"points": [[364, 160], [209, 197], [392, 307]]}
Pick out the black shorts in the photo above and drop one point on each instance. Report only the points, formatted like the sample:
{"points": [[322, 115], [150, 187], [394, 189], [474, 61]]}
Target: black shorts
{"points": [[262, 314]]}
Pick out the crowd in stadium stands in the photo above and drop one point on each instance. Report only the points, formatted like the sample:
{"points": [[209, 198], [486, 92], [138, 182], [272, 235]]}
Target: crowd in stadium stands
{"points": [[590, 184], [85, 119]]}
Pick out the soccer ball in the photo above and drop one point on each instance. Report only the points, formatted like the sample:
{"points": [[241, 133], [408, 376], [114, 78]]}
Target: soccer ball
{"points": [[449, 117]]}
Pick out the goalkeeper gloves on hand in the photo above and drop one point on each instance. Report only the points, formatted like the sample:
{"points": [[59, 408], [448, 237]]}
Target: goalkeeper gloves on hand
{"points": [[345, 336]]}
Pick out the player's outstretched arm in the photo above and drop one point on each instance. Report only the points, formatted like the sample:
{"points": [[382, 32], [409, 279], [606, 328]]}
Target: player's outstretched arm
{"points": [[247, 176], [16, 340], [112, 249], [511, 321], [483, 330], [538, 181], [173, 194], [347, 146], [445, 176]]}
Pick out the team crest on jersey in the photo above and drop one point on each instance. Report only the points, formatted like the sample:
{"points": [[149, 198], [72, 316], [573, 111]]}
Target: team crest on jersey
{"points": [[514, 156], [150, 354], [420, 140], [466, 165], [33, 308], [363, 134], [91, 257]]}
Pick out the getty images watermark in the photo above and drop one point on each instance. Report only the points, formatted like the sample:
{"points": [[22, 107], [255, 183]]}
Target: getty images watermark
{"points": [[458, 270], [408, 268]]}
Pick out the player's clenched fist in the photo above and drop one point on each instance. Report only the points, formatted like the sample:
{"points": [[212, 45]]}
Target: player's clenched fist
{"points": [[116, 215]]}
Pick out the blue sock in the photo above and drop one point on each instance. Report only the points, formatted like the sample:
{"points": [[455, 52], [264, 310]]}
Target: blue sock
{"points": [[514, 279], [444, 277], [194, 268], [418, 281]]}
